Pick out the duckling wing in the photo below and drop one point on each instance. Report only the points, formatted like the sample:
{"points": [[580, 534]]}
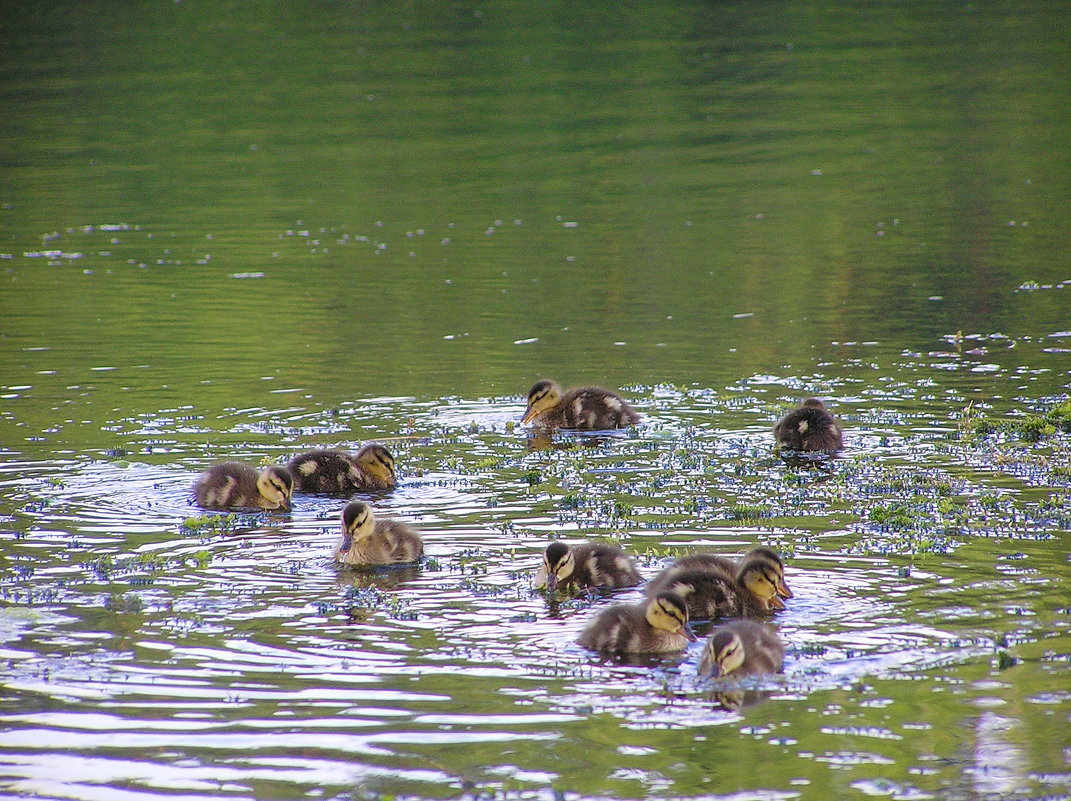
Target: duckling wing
{"points": [[592, 408], [604, 566]]}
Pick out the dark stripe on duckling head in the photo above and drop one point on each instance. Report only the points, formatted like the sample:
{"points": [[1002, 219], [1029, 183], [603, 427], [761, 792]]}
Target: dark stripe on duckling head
{"points": [[674, 608], [354, 516], [720, 649]]}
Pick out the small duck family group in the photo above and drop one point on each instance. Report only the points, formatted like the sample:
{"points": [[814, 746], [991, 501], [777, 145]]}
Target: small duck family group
{"points": [[698, 587]]}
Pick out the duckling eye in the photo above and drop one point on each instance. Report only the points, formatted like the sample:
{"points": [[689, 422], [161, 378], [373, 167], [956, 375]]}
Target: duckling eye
{"points": [[671, 612]]}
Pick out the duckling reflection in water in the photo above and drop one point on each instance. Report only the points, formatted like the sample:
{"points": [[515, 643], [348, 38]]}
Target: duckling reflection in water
{"points": [[368, 541], [586, 566], [809, 427], [229, 485], [587, 408], [333, 471], [711, 592], [657, 625]]}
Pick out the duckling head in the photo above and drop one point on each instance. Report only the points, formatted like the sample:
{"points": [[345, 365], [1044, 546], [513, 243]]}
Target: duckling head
{"points": [[723, 653], [558, 563], [542, 396], [776, 565], [760, 577], [358, 522], [376, 461], [275, 483], [813, 403], [668, 612]]}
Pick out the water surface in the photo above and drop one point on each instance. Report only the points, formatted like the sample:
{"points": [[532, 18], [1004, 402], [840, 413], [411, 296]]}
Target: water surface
{"points": [[241, 231]]}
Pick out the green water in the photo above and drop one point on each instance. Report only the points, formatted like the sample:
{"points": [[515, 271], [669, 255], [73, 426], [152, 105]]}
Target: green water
{"points": [[244, 229]]}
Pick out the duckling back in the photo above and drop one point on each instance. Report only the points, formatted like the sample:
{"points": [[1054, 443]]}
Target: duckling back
{"points": [[809, 427], [391, 542], [708, 594], [338, 472], [233, 484], [706, 562], [595, 409]]}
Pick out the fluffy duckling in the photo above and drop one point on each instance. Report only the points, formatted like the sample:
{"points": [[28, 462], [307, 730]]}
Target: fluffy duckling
{"points": [[809, 427], [773, 560], [742, 648], [722, 564], [708, 562], [710, 593], [367, 541], [587, 565], [371, 468], [588, 408], [234, 484], [658, 625]]}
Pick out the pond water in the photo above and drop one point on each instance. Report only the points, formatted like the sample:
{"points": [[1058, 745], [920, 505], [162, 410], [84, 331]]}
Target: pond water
{"points": [[244, 230]]}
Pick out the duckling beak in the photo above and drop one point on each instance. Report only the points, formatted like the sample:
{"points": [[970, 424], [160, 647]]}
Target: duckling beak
{"points": [[529, 415], [552, 581], [775, 603], [687, 632], [347, 543], [783, 590], [713, 672]]}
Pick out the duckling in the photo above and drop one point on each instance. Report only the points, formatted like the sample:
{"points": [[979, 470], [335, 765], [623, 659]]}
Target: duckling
{"points": [[710, 593], [773, 560], [742, 648], [235, 484], [367, 541], [706, 562], [587, 565], [657, 625], [371, 468], [588, 408], [809, 427]]}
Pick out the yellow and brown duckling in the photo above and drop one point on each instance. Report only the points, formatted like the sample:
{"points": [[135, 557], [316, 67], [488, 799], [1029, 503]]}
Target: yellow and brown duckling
{"points": [[229, 485], [332, 471], [730, 567], [809, 427], [368, 541], [742, 648], [586, 565], [774, 563], [709, 593], [657, 625], [587, 408]]}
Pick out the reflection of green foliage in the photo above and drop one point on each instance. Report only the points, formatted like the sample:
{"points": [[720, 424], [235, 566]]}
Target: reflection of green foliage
{"points": [[744, 511], [1029, 427], [571, 500], [896, 515], [1060, 416], [125, 603], [211, 524], [1032, 428]]}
